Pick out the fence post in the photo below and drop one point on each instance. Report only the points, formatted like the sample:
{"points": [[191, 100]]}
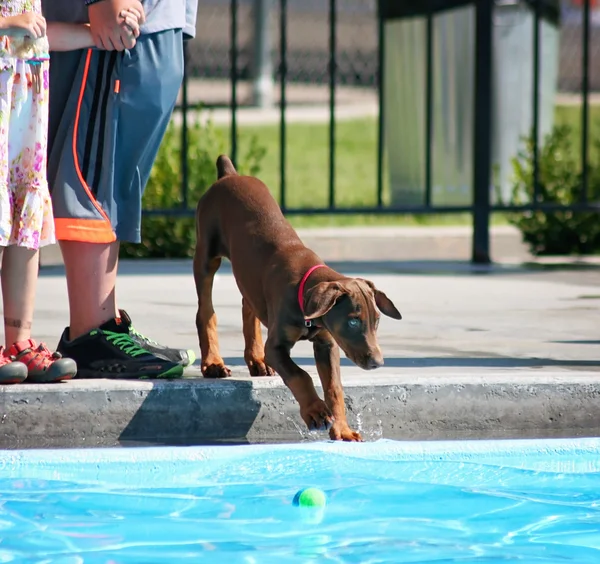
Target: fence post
{"points": [[332, 85], [381, 100], [184, 130], [585, 108], [234, 78], [482, 153], [262, 64], [283, 104]]}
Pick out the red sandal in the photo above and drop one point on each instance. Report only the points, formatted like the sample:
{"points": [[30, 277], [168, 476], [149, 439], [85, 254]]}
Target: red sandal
{"points": [[43, 366], [11, 371]]}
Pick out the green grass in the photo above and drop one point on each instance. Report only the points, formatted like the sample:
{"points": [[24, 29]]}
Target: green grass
{"points": [[307, 176], [308, 162], [307, 181], [572, 116]]}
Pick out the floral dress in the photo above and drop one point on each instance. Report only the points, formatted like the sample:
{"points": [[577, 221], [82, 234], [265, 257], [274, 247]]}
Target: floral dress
{"points": [[26, 217]]}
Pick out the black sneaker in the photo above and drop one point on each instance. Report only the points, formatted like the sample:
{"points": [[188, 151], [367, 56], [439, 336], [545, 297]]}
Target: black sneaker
{"points": [[110, 352], [180, 356]]}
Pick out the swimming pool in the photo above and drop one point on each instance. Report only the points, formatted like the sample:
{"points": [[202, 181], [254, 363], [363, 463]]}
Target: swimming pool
{"points": [[443, 502]]}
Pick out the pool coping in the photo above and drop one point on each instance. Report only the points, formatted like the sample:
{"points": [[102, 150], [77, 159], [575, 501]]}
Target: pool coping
{"points": [[412, 406]]}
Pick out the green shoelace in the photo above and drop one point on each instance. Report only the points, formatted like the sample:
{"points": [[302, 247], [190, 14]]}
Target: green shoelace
{"points": [[125, 343]]}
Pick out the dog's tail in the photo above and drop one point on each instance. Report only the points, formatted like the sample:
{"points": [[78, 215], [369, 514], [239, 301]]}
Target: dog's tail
{"points": [[225, 166]]}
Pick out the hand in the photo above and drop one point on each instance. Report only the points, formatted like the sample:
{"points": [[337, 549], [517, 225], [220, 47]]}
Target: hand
{"points": [[107, 24], [131, 19], [24, 25]]}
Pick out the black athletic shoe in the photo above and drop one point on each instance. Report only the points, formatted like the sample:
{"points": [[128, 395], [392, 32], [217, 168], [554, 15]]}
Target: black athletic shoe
{"points": [[110, 352], [180, 356]]}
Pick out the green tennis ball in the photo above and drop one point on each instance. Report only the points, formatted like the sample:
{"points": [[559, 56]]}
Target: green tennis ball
{"points": [[310, 497]]}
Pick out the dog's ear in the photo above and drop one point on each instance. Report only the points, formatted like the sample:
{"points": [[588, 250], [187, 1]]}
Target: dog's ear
{"points": [[384, 304], [321, 298]]}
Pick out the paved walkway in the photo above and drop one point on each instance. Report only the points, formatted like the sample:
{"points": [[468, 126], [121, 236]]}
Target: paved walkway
{"points": [[504, 351], [307, 103], [455, 318]]}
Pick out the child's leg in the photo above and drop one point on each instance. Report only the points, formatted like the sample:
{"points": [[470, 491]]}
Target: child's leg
{"points": [[25, 161], [10, 372], [19, 281], [32, 225]]}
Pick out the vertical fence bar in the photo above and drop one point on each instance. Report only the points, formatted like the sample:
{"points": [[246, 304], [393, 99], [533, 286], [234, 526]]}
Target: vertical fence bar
{"points": [[262, 61], [234, 78], [428, 108], [381, 118], [585, 87], [184, 130], [283, 102], [332, 84], [482, 152], [536, 101]]}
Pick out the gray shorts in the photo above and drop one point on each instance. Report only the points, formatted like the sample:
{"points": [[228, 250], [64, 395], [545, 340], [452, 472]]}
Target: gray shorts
{"points": [[108, 114]]}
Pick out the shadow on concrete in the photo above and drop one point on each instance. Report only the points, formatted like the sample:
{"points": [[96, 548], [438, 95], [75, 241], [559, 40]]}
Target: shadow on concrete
{"points": [[576, 342], [455, 362], [456, 268], [195, 412], [183, 267]]}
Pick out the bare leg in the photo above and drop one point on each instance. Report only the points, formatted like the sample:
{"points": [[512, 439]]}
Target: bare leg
{"points": [[91, 278], [212, 364], [254, 350], [19, 282], [327, 357]]}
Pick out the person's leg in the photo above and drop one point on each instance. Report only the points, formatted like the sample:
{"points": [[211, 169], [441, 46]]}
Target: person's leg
{"points": [[91, 270], [91, 267], [19, 281], [89, 193], [32, 224], [11, 372], [148, 95]]}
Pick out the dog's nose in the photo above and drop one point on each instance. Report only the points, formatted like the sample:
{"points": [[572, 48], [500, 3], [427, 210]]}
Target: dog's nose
{"points": [[373, 363]]}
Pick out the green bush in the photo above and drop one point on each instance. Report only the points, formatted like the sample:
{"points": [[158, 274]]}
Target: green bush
{"points": [[559, 173], [172, 236]]}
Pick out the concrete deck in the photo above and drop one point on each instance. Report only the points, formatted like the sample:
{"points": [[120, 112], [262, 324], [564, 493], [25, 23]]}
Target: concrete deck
{"points": [[507, 351]]}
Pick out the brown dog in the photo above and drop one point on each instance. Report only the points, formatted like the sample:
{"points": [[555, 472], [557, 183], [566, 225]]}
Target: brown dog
{"points": [[289, 289]]}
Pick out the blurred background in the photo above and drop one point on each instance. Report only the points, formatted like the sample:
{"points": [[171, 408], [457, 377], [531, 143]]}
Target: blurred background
{"points": [[389, 120], [308, 49]]}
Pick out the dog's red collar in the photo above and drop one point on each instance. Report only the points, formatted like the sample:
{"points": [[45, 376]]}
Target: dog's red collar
{"points": [[307, 322]]}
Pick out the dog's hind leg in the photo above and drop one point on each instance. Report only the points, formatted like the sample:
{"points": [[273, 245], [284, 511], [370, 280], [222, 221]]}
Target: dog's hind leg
{"points": [[254, 350], [205, 268]]}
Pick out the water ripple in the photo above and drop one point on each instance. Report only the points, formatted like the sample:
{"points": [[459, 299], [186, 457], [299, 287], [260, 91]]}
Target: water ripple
{"points": [[402, 511]]}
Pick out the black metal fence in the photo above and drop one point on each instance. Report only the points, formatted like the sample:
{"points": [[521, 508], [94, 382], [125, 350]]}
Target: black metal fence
{"points": [[482, 206]]}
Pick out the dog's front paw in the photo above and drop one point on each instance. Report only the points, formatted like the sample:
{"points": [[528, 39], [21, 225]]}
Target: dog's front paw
{"points": [[344, 433], [317, 416], [215, 371], [258, 367]]}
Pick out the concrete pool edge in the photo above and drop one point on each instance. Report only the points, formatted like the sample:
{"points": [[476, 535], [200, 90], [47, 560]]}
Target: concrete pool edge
{"points": [[499, 404]]}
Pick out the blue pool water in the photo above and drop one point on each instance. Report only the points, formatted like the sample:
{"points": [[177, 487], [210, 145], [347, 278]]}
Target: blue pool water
{"points": [[442, 502]]}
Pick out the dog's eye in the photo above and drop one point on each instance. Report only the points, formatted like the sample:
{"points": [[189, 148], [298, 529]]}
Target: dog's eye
{"points": [[354, 323]]}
